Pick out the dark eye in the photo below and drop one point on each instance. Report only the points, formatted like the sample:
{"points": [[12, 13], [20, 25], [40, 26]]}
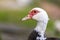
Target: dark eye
{"points": [[34, 11]]}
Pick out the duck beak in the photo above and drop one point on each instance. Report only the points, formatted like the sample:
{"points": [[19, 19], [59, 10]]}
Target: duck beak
{"points": [[26, 18]]}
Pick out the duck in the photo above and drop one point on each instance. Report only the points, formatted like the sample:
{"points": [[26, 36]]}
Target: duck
{"points": [[41, 16]]}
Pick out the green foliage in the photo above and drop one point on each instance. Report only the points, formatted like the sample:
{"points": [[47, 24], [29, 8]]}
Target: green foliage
{"points": [[50, 25], [0, 36], [15, 16], [57, 2]]}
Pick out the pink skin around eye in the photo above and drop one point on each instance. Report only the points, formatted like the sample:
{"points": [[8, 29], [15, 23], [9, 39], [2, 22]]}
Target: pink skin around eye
{"points": [[32, 13]]}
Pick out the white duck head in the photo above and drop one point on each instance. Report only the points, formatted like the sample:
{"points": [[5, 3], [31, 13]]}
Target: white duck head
{"points": [[37, 14], [41, 17]]}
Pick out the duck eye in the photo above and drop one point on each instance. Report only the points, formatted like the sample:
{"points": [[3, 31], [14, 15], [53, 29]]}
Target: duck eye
{"points": [[34, 11]]}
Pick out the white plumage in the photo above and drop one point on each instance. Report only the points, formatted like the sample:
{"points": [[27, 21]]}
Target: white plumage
{"points": [[40, 15]]}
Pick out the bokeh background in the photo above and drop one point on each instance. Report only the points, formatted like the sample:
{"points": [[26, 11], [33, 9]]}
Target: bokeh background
{"points": [[12, 11]]}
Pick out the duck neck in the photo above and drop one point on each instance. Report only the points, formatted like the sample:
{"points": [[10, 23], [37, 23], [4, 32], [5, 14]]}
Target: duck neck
{"points": [[40, 28]]}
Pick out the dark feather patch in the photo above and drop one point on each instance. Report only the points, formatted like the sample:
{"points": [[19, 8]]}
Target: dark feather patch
{"points": [[33, 35]]}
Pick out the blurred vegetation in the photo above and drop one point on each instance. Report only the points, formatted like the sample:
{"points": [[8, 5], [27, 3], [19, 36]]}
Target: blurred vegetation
{"points": [[15, 16], [57, 2]]}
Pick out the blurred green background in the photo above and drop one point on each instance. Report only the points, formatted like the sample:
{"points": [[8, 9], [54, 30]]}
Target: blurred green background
{"points": [[12, 14]]}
